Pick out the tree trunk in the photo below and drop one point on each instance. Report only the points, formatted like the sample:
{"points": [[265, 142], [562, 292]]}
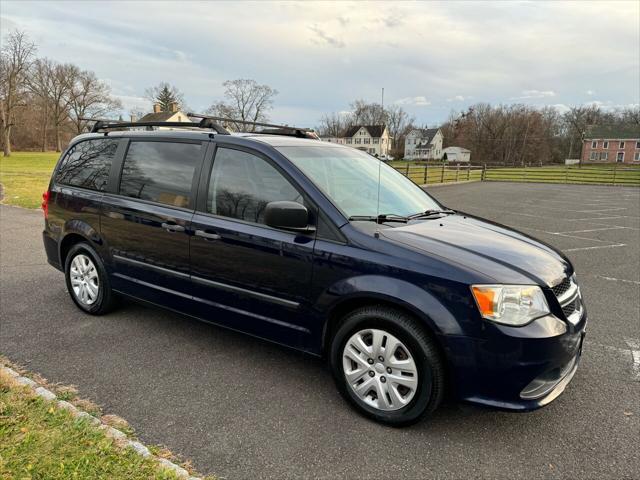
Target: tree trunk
{"points": [[7, 141], [44, 129], [58, 144]]}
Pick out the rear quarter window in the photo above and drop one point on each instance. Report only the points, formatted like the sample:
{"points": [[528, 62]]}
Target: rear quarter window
{"points": [[87, 164]]}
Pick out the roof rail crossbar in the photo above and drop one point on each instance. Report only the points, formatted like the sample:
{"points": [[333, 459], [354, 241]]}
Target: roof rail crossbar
{"points": [[289, 130], [101, 125]]}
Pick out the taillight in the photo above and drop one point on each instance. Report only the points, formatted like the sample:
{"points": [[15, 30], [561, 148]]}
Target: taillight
{"points": [[45, 203]]}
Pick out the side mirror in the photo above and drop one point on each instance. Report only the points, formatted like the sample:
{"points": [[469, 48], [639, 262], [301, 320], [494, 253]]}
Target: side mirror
{"points": [[287, 215]]}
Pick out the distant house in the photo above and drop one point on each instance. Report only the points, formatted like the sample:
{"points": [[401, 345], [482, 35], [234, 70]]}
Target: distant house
{"points": [[456, 154], [173, 115], [373, 139], [423, 144], [611, 143]]}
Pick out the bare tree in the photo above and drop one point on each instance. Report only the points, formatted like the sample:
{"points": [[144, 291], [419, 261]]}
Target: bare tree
{"points": [[62, 78], [90, 98], [333, 124], [399, 124], [246, 100], [165, 94], [363, 113], [38, 84], [15, 58]]}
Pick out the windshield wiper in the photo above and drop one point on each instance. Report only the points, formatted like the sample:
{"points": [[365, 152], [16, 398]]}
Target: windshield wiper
{"points": [[431, 212], [386, 217]]}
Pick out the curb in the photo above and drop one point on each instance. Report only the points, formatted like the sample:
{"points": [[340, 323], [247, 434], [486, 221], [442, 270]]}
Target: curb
{"points": [[118, 436]]}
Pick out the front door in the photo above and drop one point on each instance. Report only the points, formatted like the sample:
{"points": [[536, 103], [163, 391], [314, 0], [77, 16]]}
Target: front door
{"points": [[245, 274], [146, 220]]}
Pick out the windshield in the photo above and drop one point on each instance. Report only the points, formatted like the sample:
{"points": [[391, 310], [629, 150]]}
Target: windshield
{"points": [[349, 178]]}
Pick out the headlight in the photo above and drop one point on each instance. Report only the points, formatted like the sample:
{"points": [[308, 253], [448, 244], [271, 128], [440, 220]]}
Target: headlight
{"points": [[514, 305]]}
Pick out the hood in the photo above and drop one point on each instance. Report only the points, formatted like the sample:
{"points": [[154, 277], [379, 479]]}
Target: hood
{"points": [[505, 255]]}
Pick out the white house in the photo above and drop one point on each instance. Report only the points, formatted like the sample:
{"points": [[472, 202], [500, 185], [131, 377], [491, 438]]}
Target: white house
{"points": [[423, 144], [373, 139], [456, 154]]}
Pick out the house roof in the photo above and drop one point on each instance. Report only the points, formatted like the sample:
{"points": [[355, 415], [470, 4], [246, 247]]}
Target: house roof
{"points": [[374, 130], [629, 131], [425, 133], [456, 150], [160, 117]]}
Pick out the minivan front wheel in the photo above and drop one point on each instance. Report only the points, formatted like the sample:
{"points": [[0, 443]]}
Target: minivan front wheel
{"points": [[386, 366], [87, 280]]}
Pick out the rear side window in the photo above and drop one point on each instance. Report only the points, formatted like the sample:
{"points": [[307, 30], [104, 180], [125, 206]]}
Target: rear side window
{"points": [[242, 184], [87, 164], [160, 172]]}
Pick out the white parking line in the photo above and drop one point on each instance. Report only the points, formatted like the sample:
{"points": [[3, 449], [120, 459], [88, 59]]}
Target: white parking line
{"points": [[634, 347], [595, 248], [612, 279], [613, 227]]}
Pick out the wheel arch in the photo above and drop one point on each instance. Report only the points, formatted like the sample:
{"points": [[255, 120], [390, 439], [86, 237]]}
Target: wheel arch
{"points": [[76, 231], [428, 311]]}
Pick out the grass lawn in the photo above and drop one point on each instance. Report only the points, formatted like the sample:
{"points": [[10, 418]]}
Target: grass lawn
{"points": [[25, 176], [39, 440]]}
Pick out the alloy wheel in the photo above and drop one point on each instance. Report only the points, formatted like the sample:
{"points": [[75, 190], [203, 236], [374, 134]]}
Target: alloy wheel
{"points": [[84, 279]]}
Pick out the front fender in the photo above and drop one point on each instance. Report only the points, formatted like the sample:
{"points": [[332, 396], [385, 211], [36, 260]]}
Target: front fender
{"points": [[429, 309]]}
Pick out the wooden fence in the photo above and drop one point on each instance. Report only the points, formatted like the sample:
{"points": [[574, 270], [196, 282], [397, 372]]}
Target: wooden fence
{"points": [[424, 174]]}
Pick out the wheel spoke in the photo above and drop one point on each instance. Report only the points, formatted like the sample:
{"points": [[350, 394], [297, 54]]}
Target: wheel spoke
{"points": [[352, 354], [406, 381], [360, 345], [376, 346], [355, 375], [365, 387]]}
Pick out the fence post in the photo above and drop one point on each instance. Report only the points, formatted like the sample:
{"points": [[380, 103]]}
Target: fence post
{"points": [[426, 169], [484, 172], [615, 167], [407, 172], [457, 172], [442, 175], [468, 172]]}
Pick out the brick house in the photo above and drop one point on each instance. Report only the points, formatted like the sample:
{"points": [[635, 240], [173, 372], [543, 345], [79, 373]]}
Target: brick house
{"points": [[611, 143]]}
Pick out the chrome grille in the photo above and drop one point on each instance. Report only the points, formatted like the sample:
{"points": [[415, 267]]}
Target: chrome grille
{"points": [[562, 287], [568, 295]]}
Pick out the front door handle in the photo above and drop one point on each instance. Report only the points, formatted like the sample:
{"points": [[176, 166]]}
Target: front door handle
{"points": [[207, 235], [172, 227]]}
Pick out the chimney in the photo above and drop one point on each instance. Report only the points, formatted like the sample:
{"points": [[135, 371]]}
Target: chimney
{"points": [[157, 108], [173, 107], [134, 119]]}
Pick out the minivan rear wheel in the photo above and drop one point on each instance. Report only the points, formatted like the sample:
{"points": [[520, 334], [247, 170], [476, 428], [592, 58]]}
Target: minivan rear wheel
{"points": [[87, 280], [386, 366]]}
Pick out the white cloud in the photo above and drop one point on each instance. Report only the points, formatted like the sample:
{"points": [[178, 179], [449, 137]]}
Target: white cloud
{"points": [[528, 94], [325, 55], [419, 101]]}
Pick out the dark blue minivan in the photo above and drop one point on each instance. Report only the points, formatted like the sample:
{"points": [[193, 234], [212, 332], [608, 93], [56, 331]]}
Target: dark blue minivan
{"points": [[322, 248]]}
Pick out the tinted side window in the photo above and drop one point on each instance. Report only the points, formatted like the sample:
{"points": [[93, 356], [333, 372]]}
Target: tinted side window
{"points": [[87, 164], [242, 184], [160, 171]]}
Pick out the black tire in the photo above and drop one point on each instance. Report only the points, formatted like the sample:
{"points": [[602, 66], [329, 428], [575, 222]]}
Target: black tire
{"points": [[106, 299], [429, 364]]}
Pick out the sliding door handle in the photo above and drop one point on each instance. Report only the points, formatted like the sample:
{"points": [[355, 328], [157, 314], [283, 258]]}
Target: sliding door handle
{"points": [[207, 235], [172, 227]]}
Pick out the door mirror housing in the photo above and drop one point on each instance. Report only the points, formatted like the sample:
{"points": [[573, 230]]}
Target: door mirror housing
{"points": [[287, 215]]}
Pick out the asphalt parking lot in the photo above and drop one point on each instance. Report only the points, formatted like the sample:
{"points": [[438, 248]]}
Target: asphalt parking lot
{"points": [[242, 408]]}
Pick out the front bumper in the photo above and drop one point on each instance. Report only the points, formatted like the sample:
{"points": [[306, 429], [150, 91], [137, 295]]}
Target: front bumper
{"points": [[519, 369]]}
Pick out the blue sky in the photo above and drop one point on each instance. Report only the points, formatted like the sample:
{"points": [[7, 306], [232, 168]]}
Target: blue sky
{"points": [[431, 57]]}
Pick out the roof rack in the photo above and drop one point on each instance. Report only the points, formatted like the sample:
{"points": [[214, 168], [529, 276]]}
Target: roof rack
{"points": [[102, 125], [272, 129]]}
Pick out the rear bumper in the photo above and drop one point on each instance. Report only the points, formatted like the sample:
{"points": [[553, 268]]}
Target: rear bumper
{"points": [[518, 369], [51, 249]]}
